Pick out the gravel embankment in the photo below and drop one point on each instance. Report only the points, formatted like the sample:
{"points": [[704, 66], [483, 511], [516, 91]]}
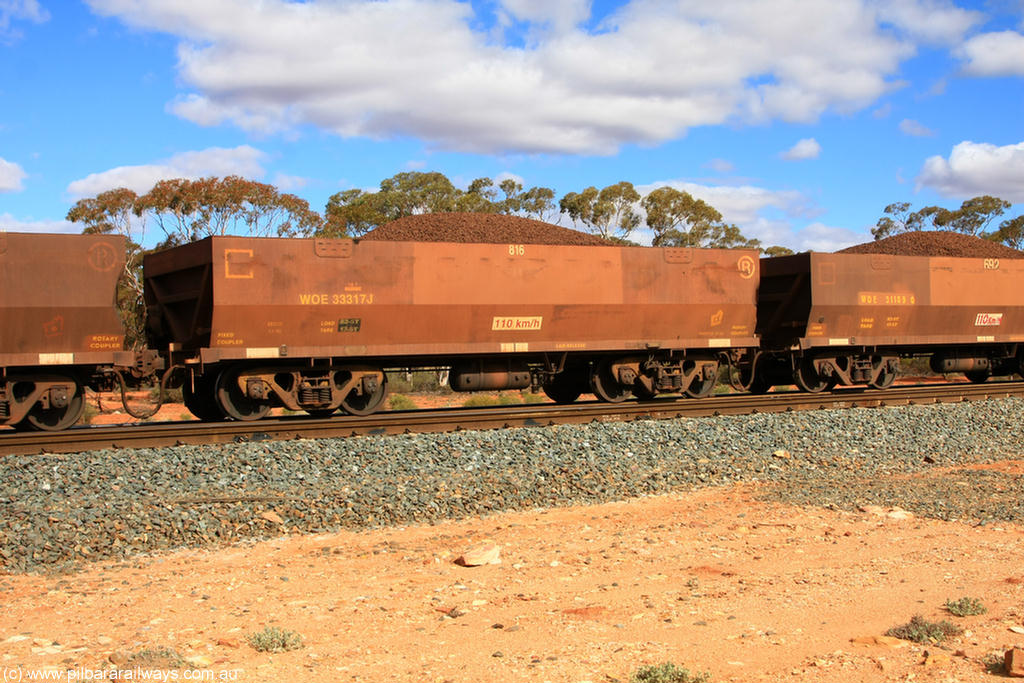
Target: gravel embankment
{"points": [[59, 509]]}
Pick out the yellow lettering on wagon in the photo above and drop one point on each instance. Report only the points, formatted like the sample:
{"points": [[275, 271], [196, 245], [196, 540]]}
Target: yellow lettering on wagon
{"points": [[105, 342], [238, 264], [886, 298], [516, 322], [336, 299]]}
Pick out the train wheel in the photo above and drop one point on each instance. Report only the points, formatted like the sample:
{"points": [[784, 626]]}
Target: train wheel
{"points": [[366, 403], [57, 417], [807, 378], [885, 379], [978, 376], [643, 393], [605, 385], [566, 386], [700, 387], [200, 400], [234, 403]]}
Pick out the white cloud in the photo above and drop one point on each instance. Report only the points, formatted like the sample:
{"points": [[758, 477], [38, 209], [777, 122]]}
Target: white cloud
{"points": [[740, 204], [426, 69], [808, 148], [561, 15], [508, 175], [932, 21], [994, 54], [820, 237], [915, 129], [977, 168], [768, 215], [287, 183], [9, 223], [721, 165], [12, 10], [11, 175], [214, 161]]}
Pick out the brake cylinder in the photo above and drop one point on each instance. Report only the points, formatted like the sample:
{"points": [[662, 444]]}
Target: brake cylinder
{"points": [[489, 376]]}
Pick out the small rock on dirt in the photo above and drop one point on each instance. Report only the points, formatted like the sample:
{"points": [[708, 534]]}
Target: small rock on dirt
{"points": [[272, 517], [886, 641], [480, 555], [1013, 662]]}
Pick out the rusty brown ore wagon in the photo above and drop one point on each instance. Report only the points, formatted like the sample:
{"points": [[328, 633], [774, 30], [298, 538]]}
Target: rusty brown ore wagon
{"points": [[58, 324], [827, 319], [313, 325]]}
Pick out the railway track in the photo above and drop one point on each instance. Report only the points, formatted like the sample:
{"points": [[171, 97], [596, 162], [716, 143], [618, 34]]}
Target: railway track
{"points": [[157, 434]]}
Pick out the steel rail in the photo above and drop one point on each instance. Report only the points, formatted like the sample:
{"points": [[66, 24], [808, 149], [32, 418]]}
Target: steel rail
{"points": [[157, 434]]}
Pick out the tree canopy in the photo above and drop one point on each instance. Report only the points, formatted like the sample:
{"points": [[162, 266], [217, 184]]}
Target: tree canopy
{"points": [[678, 219], [186, 210], [610, 213], [355, 212], [973, 217]]}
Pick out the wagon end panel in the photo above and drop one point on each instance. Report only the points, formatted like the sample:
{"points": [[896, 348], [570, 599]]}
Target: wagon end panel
{"points": [[178, 290], [784, 300], [58, 298]]}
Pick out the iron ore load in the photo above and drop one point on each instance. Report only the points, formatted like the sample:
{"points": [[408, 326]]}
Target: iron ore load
{"points": [[244, 324], [313, 325]]}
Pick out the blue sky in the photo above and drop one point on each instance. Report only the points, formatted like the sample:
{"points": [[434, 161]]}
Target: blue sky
{"points": [[800, 120]]}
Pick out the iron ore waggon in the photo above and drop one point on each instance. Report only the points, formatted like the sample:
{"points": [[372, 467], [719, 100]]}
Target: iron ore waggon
{"points": [[314, 324], [827, 319], [59, 328]]}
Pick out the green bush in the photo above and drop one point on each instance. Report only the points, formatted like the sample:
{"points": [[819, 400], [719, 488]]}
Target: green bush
{"points": [[401, 402], [170, 395], [156, 658], [965, 607], [273, 639], [419, 382], [89, 413], [479, 401], [529, 397], [667, 673], [919, 630]]}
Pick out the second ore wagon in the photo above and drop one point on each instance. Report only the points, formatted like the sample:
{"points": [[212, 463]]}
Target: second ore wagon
{"points": [[314, 324]]}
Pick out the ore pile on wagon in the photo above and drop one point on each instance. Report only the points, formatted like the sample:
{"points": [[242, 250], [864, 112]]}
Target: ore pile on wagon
{"points": [[485, 228], [935, 243]]}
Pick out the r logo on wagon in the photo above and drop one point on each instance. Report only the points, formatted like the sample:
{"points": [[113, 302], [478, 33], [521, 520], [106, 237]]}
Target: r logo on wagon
{"points": [[746, 267], [988, 320]]}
